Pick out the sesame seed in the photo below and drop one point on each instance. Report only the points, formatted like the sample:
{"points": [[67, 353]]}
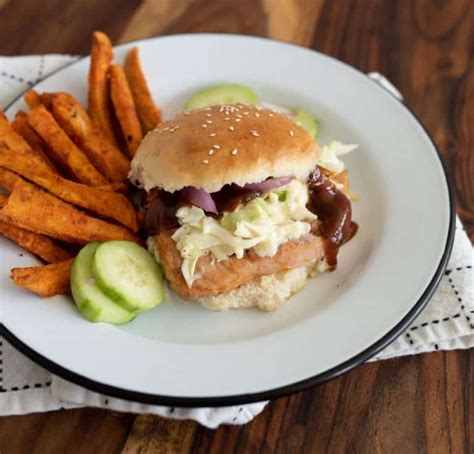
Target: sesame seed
{"points": [[205, 161], [231, 128], [257, 114], [291, 133], [238, 115], [210, 152], [270, 115], [254, 133], [209, 122], [237, 119], [208, 108], [217, 147], [234, 151], [246, 113], [226, 119], [177, 127], [186, 113], [204, 126], [213, 134], [208, 115]]}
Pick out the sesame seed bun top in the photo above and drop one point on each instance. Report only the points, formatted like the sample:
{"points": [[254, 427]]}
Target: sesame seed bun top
{"points": [[209, 148]]}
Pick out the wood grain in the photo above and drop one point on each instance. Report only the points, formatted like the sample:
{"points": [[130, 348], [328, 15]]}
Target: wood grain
{"points": [[71, 431], [293, 21], [410, 405], [152, 434], [33, 27]]}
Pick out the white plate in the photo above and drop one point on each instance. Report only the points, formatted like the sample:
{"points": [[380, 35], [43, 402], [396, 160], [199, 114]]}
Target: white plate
{"points": [[187, 355]]}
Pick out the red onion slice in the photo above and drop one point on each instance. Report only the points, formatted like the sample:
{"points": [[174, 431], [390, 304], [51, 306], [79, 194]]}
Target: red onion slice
{"points": [[268, 185], [199, 198]]}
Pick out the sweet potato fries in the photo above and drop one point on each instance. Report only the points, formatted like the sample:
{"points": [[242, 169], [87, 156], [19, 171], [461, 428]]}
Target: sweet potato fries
{"points": [[64, 168]]}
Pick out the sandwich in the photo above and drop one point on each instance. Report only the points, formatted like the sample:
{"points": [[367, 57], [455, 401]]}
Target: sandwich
{"points": [[242, 206]]}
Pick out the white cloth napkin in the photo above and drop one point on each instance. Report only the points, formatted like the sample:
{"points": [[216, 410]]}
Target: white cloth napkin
{"points": [[447, 322]]}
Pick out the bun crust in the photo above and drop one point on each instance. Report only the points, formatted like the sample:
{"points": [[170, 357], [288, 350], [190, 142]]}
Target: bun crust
{"points": [[209, 148]]}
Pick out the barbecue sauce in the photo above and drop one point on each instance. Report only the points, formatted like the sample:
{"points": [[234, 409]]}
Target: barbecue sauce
{"points": [[231, 196], [334, 211], [161, 212]]}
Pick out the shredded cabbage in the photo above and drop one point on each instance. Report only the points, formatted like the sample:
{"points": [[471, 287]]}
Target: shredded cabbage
{"points": [[263, 224], [329, 155]]}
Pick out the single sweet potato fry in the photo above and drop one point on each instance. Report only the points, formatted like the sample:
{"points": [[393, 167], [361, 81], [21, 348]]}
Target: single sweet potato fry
{"points": [[63, 148], [40, 245], [83, 131], [106, 203], [148, 113], [8, 180], [114, 187], [33, 209], [32, 99], [10, 138], [21, 126], [46, 280], [125, 111], [98, 96]]}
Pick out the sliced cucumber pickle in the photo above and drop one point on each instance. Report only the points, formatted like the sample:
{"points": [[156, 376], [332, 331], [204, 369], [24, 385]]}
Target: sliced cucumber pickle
{"points": [[222, 94], [128, 274], [306, 121], [90, 301]]}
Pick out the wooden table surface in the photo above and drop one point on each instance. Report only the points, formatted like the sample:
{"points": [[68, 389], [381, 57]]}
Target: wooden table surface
{"points": [[415, 404]]}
